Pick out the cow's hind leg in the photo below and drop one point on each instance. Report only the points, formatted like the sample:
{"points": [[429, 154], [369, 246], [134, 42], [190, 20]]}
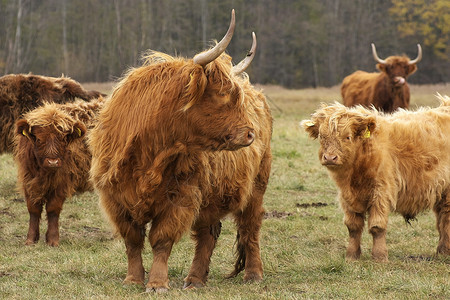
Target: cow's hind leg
{"points": [[247, 249], [35, 211], [355, 225], [206, 238], [442, 211], [53, 208]]}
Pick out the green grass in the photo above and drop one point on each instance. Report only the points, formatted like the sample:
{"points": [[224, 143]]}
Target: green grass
{"points": [[303, 239]]}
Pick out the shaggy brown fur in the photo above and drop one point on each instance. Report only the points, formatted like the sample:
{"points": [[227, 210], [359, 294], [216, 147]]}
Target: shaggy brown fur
{"points": [[20, 93], [384, 163], [156, 158], [387, 90], [54, 160]]}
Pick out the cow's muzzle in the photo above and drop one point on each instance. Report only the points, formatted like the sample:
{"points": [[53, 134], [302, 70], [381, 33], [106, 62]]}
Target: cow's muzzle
{"points": [[399, 80], [52, 162], [243, 137], [330, 160]]}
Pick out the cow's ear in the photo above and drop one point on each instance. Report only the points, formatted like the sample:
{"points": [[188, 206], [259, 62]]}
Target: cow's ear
{"points": [[311, 127], [79, 131], [365, 127], [23, 128], [381, 67], [411, 69]]}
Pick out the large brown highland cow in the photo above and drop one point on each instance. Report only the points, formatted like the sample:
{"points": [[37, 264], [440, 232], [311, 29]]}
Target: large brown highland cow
{"points": [[54, 160], [383, 163], [20, 93], [387, 90], [181, 144]]}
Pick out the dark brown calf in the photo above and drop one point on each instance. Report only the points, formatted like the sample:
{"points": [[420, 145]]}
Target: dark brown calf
{"points": [[53, 160], [20, 93]]}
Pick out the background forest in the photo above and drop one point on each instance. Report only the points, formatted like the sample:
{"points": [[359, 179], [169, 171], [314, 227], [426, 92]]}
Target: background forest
{"points": [[301, 43]]}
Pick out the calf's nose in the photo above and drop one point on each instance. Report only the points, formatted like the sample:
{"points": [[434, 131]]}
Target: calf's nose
{"points": [[329, 159], [52, 162]]}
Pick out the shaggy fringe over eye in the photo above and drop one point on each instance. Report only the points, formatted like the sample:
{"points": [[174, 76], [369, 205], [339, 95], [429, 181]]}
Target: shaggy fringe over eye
{"points": [[50, 115]]}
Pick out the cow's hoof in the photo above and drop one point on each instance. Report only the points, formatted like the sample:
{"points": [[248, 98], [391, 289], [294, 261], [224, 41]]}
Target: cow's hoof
{"points": [[188, 285], [442, 250], [30, 242], [252, 277], [157, 290], [53, 243], [130, 279]]}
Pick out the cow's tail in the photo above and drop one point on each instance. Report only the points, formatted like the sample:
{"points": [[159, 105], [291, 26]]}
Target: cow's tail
{"points": [[240, 258]]}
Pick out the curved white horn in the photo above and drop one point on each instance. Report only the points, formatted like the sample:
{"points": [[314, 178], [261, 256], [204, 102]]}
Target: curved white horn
{"points": [[375, 56], [419, 56], [240, 67], [206, 57]]}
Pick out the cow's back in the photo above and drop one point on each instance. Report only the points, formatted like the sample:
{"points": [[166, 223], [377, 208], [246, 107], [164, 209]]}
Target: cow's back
{"points": [[419, 145], [357, 88]]}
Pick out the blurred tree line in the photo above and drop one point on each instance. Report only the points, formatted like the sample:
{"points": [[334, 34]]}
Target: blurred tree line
{"points": [[301, 43]]}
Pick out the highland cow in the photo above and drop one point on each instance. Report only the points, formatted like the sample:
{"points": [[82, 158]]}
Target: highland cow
{"points": [[386, 91], [383, 163], [53, 160], [20, 93], [180, 144]]}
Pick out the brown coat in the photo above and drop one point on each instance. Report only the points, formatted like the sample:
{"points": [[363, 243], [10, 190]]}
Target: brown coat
{"points": [[20, 93], [383, 163], [181, 146], [386, 91], [53, 160]]}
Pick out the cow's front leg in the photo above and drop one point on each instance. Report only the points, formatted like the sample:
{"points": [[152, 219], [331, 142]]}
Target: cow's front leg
{"points": [[355, 225], [377, 222], [206, 238], [175, 218], [35, 211], [53, 208], [132, 233], [442, 211]]}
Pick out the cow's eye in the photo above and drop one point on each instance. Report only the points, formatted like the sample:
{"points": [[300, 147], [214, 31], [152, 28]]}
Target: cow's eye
{"points": [[349, 138]]}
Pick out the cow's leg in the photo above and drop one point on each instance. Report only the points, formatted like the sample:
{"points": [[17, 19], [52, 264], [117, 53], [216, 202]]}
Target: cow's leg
{"points": [[206, 238], [248, 225], [355, 225], [377, 223], [167, 228], [442, 211], [134, 236], [53, 208], [35, 211], [132, 233]]}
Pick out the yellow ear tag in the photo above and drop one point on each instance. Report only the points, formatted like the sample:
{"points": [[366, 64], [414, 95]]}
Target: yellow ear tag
{"points": [[309, 123], [79, 131], [24, 133], [367, 133]]}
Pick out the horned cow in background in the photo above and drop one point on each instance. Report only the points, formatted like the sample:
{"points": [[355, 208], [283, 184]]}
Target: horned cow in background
{"points": [[387, 90], [20, 93], [182, 143], [53, 160], [383, 163]]}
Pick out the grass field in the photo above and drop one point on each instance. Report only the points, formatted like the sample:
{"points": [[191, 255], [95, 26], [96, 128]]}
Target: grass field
{"points": [[303, 239]]}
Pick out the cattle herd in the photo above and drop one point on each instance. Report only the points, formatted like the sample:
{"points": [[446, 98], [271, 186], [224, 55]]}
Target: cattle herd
{"points": [[182, 143]]}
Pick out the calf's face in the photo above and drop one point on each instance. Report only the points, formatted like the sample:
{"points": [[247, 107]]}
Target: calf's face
{"points": [[341, 135], [49, 143]]}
